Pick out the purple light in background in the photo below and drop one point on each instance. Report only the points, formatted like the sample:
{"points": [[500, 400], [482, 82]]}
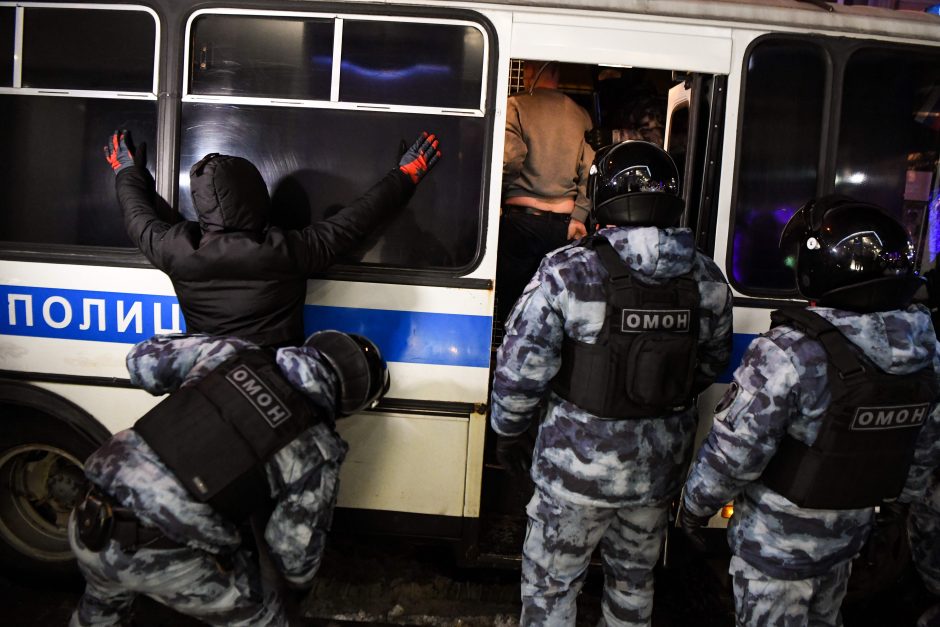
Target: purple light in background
{"points": [[933, 224], [749, 255]]}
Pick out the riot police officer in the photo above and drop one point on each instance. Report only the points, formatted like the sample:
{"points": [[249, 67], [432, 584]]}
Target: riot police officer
{"points": [[831, 413], [618, 333], [242, 426]]}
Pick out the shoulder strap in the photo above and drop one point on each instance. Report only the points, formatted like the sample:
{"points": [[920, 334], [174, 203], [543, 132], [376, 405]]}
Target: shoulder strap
{"points": [[844, 357], [612, 262]]}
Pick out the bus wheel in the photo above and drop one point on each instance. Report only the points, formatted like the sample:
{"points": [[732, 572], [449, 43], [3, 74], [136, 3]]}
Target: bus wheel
{"points": [[41, 480]]}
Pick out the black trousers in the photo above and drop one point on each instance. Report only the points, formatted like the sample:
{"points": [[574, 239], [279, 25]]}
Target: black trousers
{"points": [[523, 240]]}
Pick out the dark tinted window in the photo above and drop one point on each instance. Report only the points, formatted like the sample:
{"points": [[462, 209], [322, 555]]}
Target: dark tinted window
{"points": [[679, 138], [88, 49], [317, 161], [55, 187], [890, 132], [7, 26], [781, 125], [281, 57], [433, 65]]}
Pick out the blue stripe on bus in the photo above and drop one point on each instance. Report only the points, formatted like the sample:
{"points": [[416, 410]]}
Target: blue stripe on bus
{"points": [[61, 313], [402, 336], [416, 337]]}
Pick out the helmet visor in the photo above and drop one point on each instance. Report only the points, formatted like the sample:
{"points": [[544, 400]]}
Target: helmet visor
{"points": [[633, 168]]}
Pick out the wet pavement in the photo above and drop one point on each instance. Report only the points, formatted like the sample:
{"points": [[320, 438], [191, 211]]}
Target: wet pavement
{"points": [[382, 581]]}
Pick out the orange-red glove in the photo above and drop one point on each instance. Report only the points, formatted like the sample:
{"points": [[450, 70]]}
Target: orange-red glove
{"points": [[119, 152], [420, 158]]}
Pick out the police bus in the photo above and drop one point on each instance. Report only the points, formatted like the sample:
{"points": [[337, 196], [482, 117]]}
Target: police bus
{"points": [[769, 103]]}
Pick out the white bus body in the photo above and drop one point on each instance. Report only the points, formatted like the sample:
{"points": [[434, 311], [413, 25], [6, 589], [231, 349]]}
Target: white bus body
{"points": [[77, 295]]}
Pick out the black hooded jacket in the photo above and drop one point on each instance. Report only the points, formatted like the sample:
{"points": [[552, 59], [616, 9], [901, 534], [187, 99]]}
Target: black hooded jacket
{"points": [[233, 274]]}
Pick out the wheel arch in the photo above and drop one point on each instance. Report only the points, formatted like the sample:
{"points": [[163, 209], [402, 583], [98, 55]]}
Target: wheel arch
{"points": [[56, 407]]}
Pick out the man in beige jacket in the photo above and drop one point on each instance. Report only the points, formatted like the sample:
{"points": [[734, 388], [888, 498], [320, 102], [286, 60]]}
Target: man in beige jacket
{"points": [[546, 163]]}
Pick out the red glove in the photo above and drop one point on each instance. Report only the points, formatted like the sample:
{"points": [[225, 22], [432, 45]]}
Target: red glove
{"points": [[119, 151], [420, 158]]}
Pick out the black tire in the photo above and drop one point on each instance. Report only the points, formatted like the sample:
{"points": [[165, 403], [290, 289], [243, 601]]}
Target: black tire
{"points": [[41, 480]]}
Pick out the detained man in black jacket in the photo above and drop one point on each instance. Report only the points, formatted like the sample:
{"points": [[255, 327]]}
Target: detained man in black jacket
{"points": [[234, 274]]}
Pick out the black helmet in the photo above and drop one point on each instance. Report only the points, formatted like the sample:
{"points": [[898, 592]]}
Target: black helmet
{"points": [[850, 255], [635, 183], [357, 362]]}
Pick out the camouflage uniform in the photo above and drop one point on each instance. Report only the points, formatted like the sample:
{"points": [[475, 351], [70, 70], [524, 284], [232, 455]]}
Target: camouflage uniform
{"points": [[211, 578], [924, 530], [599, 481], [792, 564]]}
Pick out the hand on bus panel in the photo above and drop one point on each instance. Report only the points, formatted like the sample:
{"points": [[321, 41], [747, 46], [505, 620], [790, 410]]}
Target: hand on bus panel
{"points": [[120, 153], [420, 158]]}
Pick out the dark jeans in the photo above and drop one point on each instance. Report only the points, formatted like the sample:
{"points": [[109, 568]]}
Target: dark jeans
{"points": [[523, 240]]}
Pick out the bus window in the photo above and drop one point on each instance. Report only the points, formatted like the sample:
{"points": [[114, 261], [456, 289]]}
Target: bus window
{"points": [[78, 83], [257, 56], [777, 165], [7, 35], [69, 49], [890, 133], [449, 73], [320, 151], [878, 142]]}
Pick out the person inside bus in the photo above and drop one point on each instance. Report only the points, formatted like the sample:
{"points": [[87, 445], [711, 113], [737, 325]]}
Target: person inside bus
{"points": [[242, 427], [630, 107], [617, 333], [822, 418], [233, 273], [545, 172]]}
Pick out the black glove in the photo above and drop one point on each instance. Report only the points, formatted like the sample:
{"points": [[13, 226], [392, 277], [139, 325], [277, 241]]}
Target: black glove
{"points": [[597, 138], [690, 522], [420, 158], [514, 452], [691, 526], [120, 152]]}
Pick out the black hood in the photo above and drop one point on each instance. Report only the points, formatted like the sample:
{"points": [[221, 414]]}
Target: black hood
{"points": [[229, 194]]}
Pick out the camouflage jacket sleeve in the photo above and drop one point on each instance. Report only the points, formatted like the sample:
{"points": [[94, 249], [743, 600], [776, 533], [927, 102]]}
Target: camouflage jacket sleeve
{"points": [[714, 350], [751, 419], [164, 362], [311, 374], [305, 473], [530, 354], [926, 452]]}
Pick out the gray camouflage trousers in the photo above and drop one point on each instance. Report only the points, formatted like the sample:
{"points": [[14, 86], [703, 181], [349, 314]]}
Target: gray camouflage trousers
{"points": [[560, 539], [924, 530], [761, 600], [189, 581]]}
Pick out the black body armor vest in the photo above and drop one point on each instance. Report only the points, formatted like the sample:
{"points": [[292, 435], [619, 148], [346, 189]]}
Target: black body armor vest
{"points": [[216, 435], [867, 436], [643, 363]]}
